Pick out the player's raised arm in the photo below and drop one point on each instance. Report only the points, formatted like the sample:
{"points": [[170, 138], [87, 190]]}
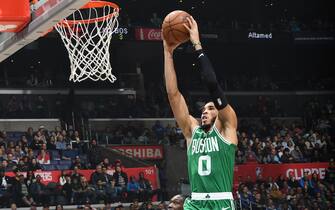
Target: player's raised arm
{"points": [[227, 120], [177, 102]]}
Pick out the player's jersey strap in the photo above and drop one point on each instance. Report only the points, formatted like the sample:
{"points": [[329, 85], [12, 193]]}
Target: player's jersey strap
{"points": [[212, 196]]}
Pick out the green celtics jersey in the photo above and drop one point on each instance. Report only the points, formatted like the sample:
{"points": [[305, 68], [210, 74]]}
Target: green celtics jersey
{"points": [[210, 162]]}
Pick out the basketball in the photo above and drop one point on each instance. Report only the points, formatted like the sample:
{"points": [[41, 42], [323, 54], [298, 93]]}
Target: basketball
{"points": [[174, 32]]}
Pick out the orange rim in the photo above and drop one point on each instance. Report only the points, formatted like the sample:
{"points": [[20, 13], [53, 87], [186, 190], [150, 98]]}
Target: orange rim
{"points": [[93, 4]]}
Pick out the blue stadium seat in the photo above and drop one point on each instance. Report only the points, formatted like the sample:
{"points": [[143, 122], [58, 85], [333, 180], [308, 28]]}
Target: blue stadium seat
{"points": [[14, 135], [35, 153], [54, 154], [65, 162], [70, 153], [63, 167], [49, 167], [83, 157], [54, 162]]}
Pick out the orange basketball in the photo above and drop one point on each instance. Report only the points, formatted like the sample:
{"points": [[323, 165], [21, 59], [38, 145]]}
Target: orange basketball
{"points": [[174, 32]]}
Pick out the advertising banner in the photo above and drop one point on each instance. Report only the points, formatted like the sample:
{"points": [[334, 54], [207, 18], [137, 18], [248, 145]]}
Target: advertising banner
{"points": [[154, 152]]}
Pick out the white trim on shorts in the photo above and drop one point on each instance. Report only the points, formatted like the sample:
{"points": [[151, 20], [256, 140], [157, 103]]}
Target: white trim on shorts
{"points": [[212, 196]]}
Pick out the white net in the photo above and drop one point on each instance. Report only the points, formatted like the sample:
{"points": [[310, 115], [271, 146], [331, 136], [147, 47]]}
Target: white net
{"points": [[88, 42]]}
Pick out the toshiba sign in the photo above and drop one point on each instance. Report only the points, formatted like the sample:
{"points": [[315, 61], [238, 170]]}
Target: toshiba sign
{"points": [[151, 34], [141, 152]]}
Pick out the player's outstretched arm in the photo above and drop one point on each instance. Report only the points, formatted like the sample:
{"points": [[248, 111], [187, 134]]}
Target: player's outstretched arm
{"points": [[227, 120], [177, 102]]}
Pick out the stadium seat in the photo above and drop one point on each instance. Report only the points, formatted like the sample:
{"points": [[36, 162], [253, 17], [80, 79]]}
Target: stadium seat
{"points": [[65, 162], [70, 153], [15, 135], [49, 167], [54, 154], [54, 162], [63, 167]]}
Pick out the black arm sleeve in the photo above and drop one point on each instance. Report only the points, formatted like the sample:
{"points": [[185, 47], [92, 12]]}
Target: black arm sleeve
{"points": [[209, 78]]}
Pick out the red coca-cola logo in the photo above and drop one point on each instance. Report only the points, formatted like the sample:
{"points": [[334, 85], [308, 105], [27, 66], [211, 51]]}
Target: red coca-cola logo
{"points": [[154, 34]]}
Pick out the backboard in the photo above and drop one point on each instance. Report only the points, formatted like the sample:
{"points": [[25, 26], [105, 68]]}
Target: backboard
{"points": [[45, 14]]}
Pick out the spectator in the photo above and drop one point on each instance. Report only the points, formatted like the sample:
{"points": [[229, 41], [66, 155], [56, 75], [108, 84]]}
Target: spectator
{"points": [[83, 193], [108, 205], [287, 158], [292, 182], [245, 196], [275, 193], [145, 188], [75, 178], [76, 140], [159, 131], [24, 142], [98, 175], [67, 189], [41, 107], [304, 181], [330, 172], [155, 20], [51, 145], [30, 154], [106, 163], [30, 134], [77, 162], [30, 178], [5, 184], [59, 207], [13, 206], [121, 180], [61, 144], [161, 206], [44, 157], [270, 205], [3, 155], [38, 191], [100, 190], [13, 107], [5, 166], [258, 203], [11, 163], [144, 137], [297, 154], [132, 189], [22, 166], [19, 191], [272, 157], [62, 178], [92, 153]]}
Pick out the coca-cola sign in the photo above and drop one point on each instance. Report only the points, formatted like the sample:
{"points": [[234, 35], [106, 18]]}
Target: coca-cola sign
{"points": [[153, 34]]}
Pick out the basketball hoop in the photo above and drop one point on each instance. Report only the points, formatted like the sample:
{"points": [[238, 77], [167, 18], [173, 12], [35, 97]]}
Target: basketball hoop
{"points": [[87, 34]]}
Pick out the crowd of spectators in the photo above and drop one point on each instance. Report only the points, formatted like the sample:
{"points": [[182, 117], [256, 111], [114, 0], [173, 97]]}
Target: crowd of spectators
{"points": [[284, 144], [42, 149], [154, 105], [25, 106], [308, 191], [74, 188], [266, 142]]}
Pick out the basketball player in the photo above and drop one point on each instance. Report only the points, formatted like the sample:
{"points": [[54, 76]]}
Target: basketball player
{"points": [[211, 144], [176, 202]]}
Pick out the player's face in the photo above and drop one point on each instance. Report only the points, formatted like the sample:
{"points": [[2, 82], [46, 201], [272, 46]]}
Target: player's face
{"points": [[176, 203], [208, 114]]}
